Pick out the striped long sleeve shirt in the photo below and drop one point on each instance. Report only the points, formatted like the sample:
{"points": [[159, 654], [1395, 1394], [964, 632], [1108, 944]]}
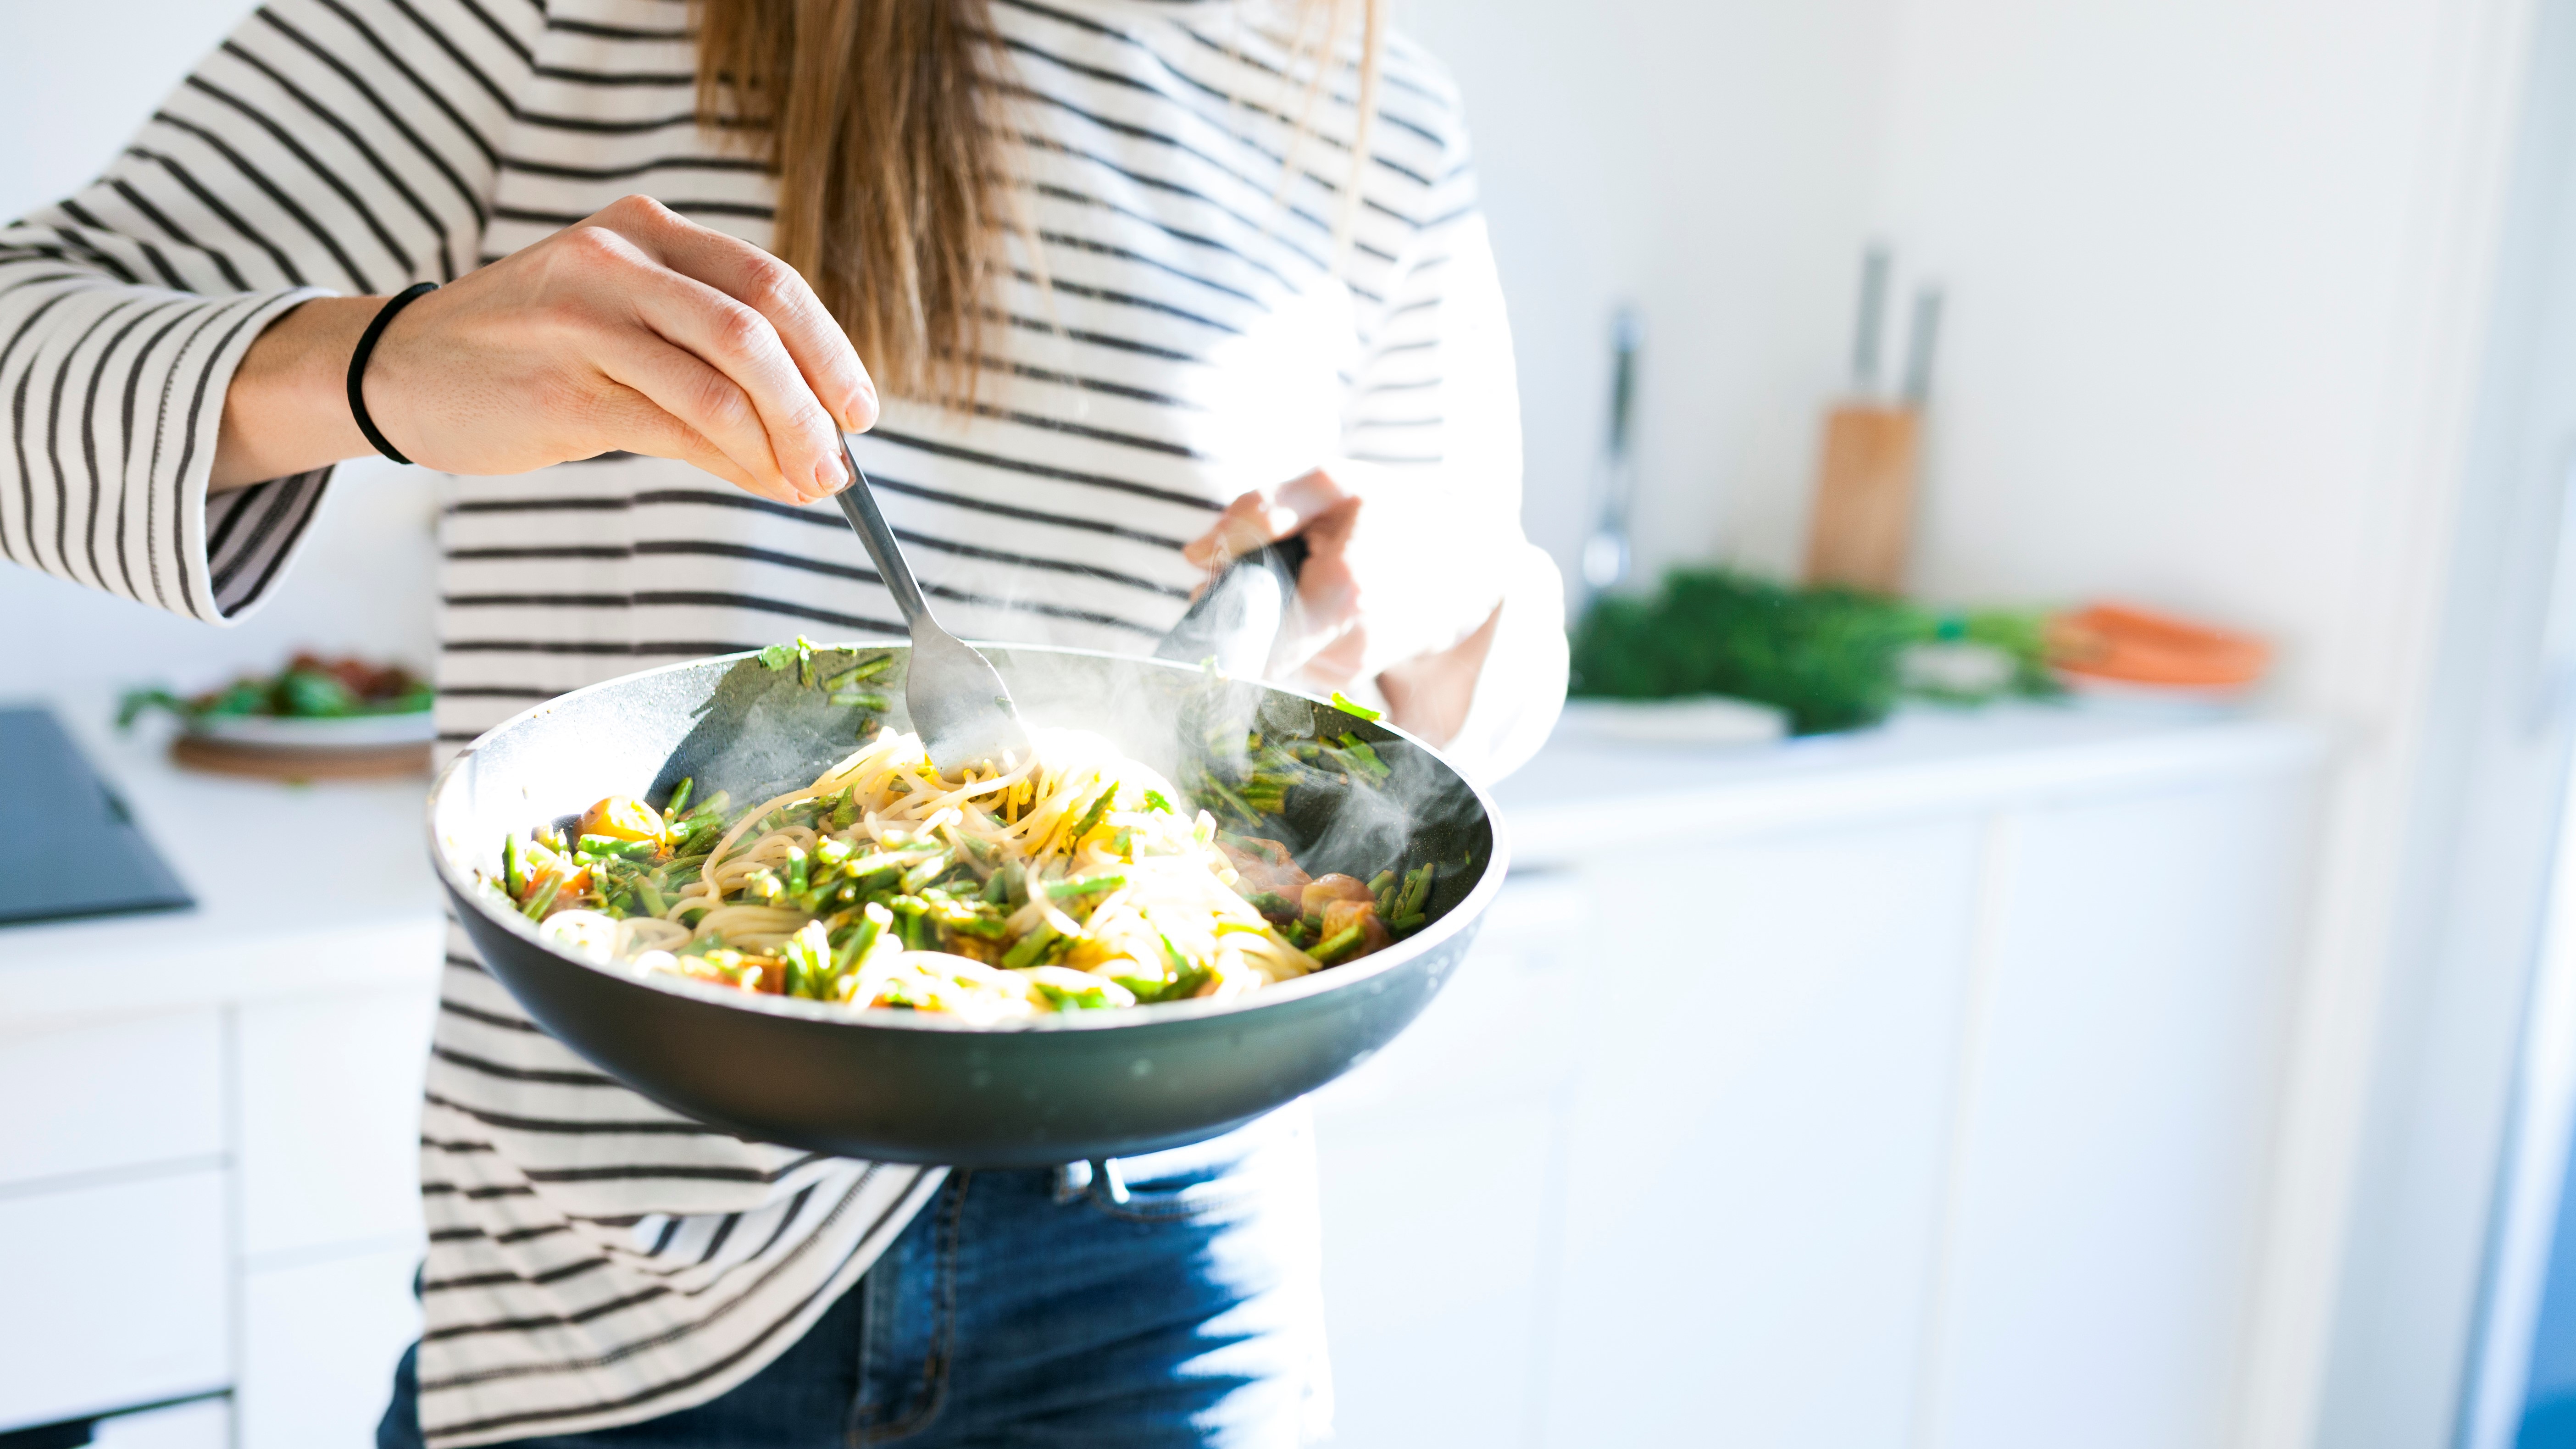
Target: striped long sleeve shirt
{"points": [[1189, 332]]}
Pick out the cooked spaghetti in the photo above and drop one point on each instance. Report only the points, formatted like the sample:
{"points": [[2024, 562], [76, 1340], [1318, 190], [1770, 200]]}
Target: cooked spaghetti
{"points": [[1073, 878]]}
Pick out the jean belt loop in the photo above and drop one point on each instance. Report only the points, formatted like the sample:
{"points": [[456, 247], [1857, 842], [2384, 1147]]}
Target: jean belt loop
{"points": [[1109, 1181], [1072, 1180]]}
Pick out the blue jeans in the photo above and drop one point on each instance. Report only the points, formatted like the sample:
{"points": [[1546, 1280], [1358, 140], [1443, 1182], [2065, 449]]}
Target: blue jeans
{"points": [[1038, 1309]]}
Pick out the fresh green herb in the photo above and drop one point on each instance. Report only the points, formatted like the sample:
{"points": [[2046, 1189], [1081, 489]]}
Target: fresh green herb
{"points": [[1831, 657]]}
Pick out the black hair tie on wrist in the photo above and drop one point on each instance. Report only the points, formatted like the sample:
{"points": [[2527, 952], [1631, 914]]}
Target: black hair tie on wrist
{"points": [[366, 349]]}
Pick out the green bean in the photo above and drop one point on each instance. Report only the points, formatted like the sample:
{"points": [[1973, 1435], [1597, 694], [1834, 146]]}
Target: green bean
{"points": [[1416, 892], [1099, 808], [514, 869], [1026, 950], [926, 872], [864, 669], [871, 924], [1335, 946], [1065, 890], [679, 803]]}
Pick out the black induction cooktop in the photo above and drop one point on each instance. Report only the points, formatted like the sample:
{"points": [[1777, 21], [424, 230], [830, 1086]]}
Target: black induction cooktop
{"points": [[68, 847]]}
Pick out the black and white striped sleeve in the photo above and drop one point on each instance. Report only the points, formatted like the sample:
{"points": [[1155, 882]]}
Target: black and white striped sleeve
{"points": [[327, 146], [1435, 400]]}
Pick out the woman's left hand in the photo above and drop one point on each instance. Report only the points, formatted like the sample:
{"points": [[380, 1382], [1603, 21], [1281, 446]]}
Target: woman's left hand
{"points": [[1398, 585]]}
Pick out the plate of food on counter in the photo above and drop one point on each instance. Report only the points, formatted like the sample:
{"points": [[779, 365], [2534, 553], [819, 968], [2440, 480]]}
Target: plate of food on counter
{"points": [[317, 718]]}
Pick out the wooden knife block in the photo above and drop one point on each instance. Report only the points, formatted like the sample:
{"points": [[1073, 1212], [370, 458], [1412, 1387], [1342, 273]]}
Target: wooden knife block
{"points": [[1863, 522]]}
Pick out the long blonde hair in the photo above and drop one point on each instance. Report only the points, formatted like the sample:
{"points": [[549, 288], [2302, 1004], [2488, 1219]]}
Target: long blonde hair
{"points": [[884, 123]]}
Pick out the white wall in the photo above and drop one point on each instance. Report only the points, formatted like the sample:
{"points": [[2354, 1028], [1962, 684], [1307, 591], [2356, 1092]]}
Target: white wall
{"points": [[1711, 161], [2217, 281], [2218, 276], [75, 81]]}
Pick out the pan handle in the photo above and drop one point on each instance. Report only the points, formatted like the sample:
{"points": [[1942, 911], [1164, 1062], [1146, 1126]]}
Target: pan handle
{"points": [[1238, 619]]}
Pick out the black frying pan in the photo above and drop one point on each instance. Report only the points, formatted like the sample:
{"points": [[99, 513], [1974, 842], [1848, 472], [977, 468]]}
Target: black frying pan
{"points": [[918, 1087]]}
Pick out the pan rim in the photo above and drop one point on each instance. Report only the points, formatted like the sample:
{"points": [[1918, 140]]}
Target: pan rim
{"points": [[1463, 917]]}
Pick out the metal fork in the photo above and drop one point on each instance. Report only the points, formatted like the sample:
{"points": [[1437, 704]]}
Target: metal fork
{"points": [[959, 705]]}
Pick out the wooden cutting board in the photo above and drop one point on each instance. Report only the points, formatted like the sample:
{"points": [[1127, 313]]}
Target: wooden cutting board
{"points": [[276, 762], [1863, 525]]}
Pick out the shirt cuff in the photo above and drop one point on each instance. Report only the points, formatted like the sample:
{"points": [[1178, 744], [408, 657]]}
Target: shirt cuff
{"points": [[1521, 689]]}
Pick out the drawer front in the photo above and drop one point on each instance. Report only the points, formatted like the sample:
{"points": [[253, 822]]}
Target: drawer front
{"points": [[319, 1344], [115, 1296], [117, 1094], [330, 1120]]}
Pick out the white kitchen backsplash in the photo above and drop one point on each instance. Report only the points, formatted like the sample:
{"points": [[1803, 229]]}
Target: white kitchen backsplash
{"points": [[366, 583]]}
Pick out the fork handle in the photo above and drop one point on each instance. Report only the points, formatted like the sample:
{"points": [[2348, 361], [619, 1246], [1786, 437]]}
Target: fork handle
{"points": [[859, 505]]}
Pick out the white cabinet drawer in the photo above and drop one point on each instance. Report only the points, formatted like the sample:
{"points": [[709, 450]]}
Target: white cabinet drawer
{"points": [[330, 1119], [115, 1296], [319, 1344], [117, 1094]]}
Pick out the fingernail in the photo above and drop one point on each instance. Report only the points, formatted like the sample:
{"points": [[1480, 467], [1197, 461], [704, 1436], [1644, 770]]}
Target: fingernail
{"points": [[830, 477]]}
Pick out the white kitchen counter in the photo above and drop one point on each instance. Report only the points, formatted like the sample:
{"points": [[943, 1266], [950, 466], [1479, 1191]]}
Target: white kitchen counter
{"points": [[299, 888], [1585, 793], [329, 885]]}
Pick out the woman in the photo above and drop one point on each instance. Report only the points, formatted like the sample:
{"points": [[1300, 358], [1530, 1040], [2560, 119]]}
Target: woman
{"points": [[1137, 284]]}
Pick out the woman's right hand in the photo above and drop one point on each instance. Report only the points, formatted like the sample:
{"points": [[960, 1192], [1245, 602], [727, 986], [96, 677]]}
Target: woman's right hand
{"points": [[633, 330]]}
